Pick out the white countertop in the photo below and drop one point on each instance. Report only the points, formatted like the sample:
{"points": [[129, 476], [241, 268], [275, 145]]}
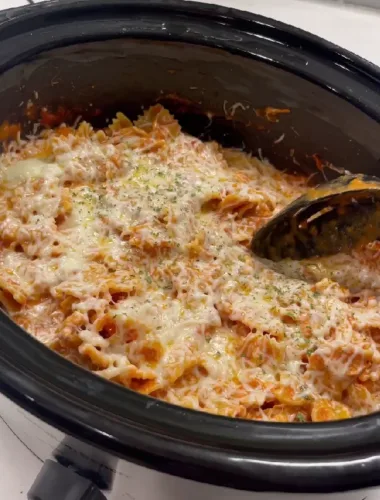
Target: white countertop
{"points": [[353, 28]]}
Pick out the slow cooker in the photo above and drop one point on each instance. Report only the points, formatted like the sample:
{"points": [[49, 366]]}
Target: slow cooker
{"points": [[100, 441]]}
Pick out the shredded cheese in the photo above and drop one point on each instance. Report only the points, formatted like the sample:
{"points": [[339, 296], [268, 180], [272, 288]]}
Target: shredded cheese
{"points": [[127, 251]]}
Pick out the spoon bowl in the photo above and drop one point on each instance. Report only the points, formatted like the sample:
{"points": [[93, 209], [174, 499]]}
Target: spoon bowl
{"points": [[333, 217]]}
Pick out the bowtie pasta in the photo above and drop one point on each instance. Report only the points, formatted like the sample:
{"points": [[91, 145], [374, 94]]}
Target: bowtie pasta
{"points": [[126, 250]]}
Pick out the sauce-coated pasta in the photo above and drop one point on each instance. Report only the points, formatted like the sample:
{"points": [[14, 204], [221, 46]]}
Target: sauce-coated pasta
{"points": [[127, 251]]}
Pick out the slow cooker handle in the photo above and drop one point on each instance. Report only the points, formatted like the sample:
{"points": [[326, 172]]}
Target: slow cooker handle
{"points": [[55, 481]]}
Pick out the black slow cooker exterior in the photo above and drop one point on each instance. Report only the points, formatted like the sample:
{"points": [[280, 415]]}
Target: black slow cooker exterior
{"points": [[202, 61]]}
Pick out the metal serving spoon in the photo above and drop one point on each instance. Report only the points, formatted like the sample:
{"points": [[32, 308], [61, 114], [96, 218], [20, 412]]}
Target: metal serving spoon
{"points": [[333, 217]]}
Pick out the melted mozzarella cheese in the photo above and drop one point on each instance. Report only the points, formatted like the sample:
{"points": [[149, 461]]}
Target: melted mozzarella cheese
{"points": [[26, 170], [137, 261]]}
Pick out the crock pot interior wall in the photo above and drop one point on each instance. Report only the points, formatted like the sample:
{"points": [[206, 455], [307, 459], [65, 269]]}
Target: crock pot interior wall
{"points": [[126, 74]]}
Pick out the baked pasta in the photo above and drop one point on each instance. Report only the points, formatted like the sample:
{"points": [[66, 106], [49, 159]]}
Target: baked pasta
{"points": [[126, 250]]}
